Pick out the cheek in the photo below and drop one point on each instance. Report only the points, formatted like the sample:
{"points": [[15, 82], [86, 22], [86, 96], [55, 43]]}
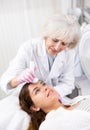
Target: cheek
{"points": [[38, 99], [48, 44], [64, 47]]}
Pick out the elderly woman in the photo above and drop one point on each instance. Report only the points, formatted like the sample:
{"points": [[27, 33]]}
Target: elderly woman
{"points": [[40, 100], [49, 58]]}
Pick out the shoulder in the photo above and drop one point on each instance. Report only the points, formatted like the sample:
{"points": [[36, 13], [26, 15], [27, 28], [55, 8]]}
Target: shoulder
{"points": [[50, 122], [67, 55], [70, 51], [70, 54], [32, 44], [67, 52]]}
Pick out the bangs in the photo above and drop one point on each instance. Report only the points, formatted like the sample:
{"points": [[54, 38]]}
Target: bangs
{"points": [[63, 34], [63, 30]]}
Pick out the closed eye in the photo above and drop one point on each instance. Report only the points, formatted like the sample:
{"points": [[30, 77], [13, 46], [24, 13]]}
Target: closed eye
{"points": [[42, 83], [64, 44], [55, 40], [36, 91]]}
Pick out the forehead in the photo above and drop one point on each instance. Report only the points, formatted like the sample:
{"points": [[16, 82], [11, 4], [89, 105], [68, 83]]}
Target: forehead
{"points": [[35, 85], [39, 83]]}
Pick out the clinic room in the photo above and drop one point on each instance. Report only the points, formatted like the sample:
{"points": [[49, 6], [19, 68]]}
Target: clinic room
{"points": [[44, 64]]}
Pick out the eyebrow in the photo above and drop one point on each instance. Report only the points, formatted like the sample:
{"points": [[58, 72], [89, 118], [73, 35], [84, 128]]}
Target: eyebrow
{"points": [[35, 89], [41, 82]]}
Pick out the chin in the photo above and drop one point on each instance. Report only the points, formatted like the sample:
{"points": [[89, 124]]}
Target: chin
{"points": [[53, 53]]}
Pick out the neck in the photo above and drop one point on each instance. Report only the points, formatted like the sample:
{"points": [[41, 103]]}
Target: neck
{"points": [[56, 106]]}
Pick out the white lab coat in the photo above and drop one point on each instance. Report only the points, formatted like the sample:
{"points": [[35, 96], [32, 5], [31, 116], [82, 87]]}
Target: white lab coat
{"points": [[61, 77]]}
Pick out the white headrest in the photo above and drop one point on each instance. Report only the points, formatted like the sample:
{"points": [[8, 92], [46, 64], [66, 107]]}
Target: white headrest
{"points": [[84, 50]]}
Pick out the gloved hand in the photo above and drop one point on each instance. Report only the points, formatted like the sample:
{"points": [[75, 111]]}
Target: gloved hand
{"points": [[27, 76]]}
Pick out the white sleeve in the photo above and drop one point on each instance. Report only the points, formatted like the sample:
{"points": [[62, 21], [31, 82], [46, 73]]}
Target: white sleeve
{"points": [[18, 64]]}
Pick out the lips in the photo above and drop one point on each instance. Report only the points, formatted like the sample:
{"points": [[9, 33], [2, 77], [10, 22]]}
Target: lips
{"points": [[53, 49], [59, 99]]}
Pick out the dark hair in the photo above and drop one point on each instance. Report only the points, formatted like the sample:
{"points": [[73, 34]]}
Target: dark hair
{"points": [[26, 102]]}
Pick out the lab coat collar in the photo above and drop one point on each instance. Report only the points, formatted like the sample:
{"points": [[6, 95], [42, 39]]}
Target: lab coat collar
{"points": [[42, 59], [57, 66]]}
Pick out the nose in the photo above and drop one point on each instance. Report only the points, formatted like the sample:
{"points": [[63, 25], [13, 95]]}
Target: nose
{"points": [[44, 88], [57, 45]]}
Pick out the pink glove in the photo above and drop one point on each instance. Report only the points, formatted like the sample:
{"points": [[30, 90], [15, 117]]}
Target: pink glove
{"points": [[27, 76]]}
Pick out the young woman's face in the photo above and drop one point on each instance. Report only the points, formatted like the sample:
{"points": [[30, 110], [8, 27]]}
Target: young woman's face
{"points": [[43, 95], [54, 46]]}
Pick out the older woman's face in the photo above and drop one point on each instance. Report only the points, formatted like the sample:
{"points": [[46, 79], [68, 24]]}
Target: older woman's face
{"points": [[43, 96], [54, 46]]}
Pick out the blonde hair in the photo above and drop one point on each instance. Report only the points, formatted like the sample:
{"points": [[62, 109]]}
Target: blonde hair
{"points": [[64, 27]]}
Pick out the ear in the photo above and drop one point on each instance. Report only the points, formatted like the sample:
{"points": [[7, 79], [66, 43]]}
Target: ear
{"points": [[34, 108]]}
